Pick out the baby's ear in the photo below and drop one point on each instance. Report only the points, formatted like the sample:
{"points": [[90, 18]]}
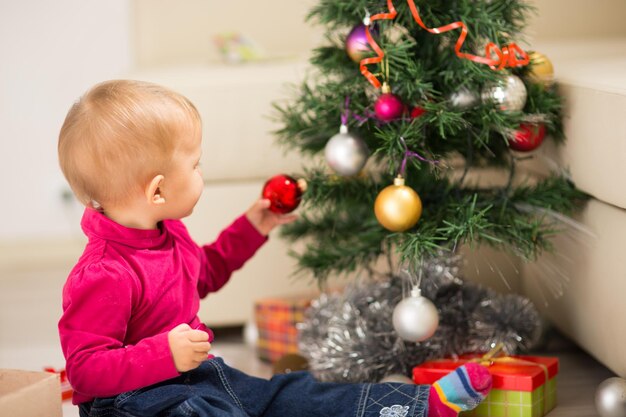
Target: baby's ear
{"points": [[153, 190]]}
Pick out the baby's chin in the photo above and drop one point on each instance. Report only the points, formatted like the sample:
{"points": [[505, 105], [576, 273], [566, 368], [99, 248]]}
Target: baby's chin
{"points": [[180, 216], [188, 213]]}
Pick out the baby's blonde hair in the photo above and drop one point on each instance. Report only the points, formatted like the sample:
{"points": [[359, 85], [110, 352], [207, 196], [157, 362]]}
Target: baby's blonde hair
{"points": [[119, 135]]}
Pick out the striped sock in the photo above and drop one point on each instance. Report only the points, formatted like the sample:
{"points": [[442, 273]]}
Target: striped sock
{"points": [[461, 390]]}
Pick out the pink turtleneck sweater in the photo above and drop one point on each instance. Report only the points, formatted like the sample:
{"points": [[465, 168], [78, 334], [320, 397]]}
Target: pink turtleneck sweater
{"points": [[129, 289]]}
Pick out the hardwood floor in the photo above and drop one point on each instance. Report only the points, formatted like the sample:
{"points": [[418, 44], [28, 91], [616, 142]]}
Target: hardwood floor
{"points": [[579, 376]]}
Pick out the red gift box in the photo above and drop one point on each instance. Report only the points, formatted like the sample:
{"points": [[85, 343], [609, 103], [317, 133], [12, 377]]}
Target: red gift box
{"points": [[516, 373], [522, 385]]}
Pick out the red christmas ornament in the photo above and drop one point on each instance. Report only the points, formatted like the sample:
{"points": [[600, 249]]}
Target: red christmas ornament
{"points": [[417, 111], [284, 192], [388, 106], [528, 137]]}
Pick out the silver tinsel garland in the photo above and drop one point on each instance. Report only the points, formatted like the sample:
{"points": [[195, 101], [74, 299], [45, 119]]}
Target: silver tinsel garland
{"points": [[349, 337], [509, 319]]}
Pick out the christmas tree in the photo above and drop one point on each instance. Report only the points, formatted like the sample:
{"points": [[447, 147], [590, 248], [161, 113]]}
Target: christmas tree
{"points": [[411, 101]]}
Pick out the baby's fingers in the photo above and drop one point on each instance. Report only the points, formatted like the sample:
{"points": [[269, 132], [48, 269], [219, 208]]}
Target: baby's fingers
{"points": [[197, 336], [286, 219], [202, 347]]}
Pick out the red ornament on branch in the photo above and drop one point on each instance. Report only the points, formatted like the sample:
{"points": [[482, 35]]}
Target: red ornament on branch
{"points": [[528, 137], [284, 192], [417, 111]]}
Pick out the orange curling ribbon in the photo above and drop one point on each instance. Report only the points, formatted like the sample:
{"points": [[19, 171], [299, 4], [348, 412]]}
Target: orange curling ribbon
{"points": [[375, 60], [510, 55], [506, 57]]}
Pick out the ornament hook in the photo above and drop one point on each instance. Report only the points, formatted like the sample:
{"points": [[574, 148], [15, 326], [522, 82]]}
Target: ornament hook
{"points": [[408, 154], [367, 19]]}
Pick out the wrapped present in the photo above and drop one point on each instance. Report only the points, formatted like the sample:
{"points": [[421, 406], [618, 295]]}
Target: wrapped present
{"points": [[27, 393], [276, 320], [523, 386], [276, 341], [66, 389]]}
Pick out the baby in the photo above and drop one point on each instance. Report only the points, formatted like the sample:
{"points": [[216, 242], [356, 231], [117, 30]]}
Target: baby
{"points": [[130, 332]]}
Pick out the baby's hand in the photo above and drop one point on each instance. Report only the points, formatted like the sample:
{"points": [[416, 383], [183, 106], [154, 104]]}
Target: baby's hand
{"points": [[189, 347], [265, 220]]}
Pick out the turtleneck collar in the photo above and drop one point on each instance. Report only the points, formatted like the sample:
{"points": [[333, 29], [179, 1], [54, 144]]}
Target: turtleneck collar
{"points": [[98, 225]]}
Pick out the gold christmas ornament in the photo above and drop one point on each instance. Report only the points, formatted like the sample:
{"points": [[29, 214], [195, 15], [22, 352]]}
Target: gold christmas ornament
{"points": [[541, 69], [398, 207]]}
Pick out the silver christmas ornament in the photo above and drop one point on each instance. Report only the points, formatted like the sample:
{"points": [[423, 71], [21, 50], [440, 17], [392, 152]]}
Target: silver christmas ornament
{"points": [[508, 94], [464, 99], [611, 398], [346, 153], [415, 318]]}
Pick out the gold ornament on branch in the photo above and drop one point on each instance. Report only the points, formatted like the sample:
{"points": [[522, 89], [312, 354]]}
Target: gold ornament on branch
{"points": [[398, 207], [541, 69]]}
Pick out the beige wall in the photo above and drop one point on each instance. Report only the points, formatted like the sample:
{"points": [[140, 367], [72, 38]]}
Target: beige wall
{"points": [[50, 53], [182, 32], [559, 19]]}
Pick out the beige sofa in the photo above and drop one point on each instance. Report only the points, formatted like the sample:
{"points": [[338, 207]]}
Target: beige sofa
{"points": [[590, 263]]}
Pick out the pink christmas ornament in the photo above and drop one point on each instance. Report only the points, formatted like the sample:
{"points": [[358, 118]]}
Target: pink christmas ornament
{"points": [[357, 46], [388, 106]]}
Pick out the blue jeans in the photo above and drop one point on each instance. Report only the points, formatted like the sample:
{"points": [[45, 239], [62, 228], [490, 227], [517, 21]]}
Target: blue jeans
{"points": [[216, 390]]}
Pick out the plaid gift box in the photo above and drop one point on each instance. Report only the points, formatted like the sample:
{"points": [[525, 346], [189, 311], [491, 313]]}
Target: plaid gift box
{"points": [[523, 386], [276, 320]]}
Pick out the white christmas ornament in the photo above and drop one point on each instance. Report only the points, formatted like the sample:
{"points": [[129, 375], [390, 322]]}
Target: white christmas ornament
{"points": [[415, 318], [345, 153]]}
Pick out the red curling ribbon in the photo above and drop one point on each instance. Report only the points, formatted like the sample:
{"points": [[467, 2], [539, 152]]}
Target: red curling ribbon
{"points": [[510, 55], [375, 60]]}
